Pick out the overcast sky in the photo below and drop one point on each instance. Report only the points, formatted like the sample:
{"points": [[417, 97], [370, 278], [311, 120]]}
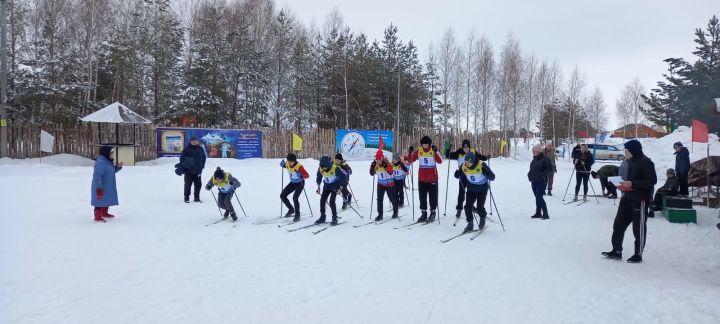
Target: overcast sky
{"points": [[611, 41]]}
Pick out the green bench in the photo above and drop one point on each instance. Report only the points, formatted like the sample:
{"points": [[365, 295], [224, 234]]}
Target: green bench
{"points": [[675, 212]]}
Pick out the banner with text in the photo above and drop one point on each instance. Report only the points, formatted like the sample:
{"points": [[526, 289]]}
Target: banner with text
{"points": [[217, 143]]}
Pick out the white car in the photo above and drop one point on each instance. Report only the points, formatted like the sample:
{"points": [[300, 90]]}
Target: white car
{"points": [[607, 151]]}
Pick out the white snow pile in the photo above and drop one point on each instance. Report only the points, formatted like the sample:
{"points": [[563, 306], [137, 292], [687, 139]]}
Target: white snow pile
{"points": [[65, 160], [158, 262]]}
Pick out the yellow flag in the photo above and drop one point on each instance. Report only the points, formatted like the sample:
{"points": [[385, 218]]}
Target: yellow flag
{"points": [[297, 142], [503, 143]]}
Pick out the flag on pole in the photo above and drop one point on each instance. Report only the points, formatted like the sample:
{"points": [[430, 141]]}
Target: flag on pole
{"points": [[381, 144], [46, 141], [699, 131], [296, 142]]}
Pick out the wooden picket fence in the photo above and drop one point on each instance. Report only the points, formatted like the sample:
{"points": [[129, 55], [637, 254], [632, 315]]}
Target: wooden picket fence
{"points": [[83, 139]]}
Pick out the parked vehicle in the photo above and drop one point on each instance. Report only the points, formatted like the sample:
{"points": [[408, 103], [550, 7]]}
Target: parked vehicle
{"points": [[607, 151]]}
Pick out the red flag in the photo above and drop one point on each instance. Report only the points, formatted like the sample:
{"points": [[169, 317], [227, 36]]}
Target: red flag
{"points": [[381, 144], [582, 134], [699, 131]]}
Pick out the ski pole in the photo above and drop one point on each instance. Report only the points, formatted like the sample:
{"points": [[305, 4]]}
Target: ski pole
{"points": [[282, 186], [412, 189], [239, 203], [492, 199], [447, 186], [353, 195], [216, 204], [568, 185], [308, 200], [372, 196]]}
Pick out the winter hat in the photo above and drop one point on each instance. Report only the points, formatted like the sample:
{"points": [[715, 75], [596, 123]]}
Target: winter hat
{"points": [[219, 174], [677, 144], [325, 162], [426, 140], [471, 157], [465, 143], [339, 156], [105, 151], [379, 155], [670, 171], [634, 147], [291, 157]]}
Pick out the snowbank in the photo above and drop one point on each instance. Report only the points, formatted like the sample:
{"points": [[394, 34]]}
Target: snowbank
{"points": [[64, 160]]}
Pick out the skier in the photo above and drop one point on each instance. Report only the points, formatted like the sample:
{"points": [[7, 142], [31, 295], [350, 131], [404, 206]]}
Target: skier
{"points": [[400, 172], [385, 183], [192, 160], [583, 161], [226, 184], [474, 176], [104, 187], [334, 179], [459, 155], [347, 197], [540, 168], [682, 166], [428, 157], [296, 185], [636, 189]]}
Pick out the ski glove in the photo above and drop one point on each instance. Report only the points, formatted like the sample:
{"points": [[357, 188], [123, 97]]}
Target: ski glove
{"points": [[434, 148], [99, 193], [411, 149], [457, 174], [282, 163], [208, 187]]}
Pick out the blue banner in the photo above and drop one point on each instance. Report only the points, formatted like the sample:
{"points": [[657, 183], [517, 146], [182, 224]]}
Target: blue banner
{"points": [[362, 144], [217, 143]]}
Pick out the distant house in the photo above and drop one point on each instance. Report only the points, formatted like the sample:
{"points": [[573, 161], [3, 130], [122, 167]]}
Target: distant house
{"points": [[642, 131]]}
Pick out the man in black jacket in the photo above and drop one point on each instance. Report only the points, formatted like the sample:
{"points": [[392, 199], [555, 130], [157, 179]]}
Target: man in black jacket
{"points": [[459, 155], [583, 161], [632, 209], [192, 160], [540, 168], [682, 166]]}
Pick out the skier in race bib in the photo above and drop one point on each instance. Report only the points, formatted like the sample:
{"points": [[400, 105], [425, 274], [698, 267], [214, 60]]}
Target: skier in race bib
{"points": [[400, 171], [383, 170], [475, 176], [347, 197], [297, 174], [226, 184], [460, 155], [334, 179], [427, 157]]}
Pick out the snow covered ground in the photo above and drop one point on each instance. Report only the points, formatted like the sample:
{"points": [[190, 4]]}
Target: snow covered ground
{"points": [[157, 262]]}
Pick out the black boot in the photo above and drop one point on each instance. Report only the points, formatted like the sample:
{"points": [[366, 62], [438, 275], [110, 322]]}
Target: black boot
{"points": [[432, 216], [290, 213], [423, 217], [226, 214], [545, 213], [334, 221], [481, 225], [320, 220], [233, 216], [345, 205], [379, 218], [615, 255], [469, 228], [537, 214], [395, 215], [458, 213], [549, 192], [296, 218], [636, 258]]}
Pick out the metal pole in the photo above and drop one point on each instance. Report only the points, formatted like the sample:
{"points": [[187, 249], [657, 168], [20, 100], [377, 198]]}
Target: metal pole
{"points": [[4, 149], [397, 117]]}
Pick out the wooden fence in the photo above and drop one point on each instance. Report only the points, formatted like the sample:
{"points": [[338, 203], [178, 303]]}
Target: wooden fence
{"points": [[83, 139]]}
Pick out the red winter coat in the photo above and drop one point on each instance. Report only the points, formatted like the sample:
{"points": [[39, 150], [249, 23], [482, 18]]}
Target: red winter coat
{"points": [[426, 174]]}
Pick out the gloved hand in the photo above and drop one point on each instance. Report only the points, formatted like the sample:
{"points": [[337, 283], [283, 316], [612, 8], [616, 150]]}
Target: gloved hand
{"points": [[373, 164], [282, 163], [238, 185], [317, 191], [434, 148], [411, 149], [384, 164], [99, 193], [458, 173], [208, 187]]}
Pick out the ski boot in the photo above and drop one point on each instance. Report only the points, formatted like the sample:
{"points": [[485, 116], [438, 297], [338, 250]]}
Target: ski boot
{"points": [[233, 216], [320, 220], [345, 204], [469, 228], [432, 216], [334, 221], [584, 197], [481, 225], [290, 213], [615, 255], [537, 214], [458, 213], [379, 218], [575, 198], [296, 218], [226, 214], [549, 193], [197, 200], [395, 215], [423, 217]]}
